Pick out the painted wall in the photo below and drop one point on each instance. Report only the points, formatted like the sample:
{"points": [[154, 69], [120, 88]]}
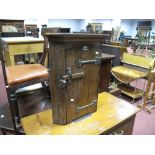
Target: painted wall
{"points": [[74, 24], [79, 24], [107, 23], [30, 21], [127, 25], [84, 23]]}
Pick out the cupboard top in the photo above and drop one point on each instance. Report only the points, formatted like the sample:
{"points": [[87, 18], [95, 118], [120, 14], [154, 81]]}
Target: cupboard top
{"points": [[75, 37]]}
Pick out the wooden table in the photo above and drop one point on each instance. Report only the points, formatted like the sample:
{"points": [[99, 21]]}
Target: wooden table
{"points": [[21, 45], [113, 116]]}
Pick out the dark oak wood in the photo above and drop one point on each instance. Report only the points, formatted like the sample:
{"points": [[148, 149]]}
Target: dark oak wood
{"points": [[54, 30], [66, 50], [86, 37], [105, 71]]}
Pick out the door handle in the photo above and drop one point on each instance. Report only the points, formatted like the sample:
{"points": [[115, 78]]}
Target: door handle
{"points": [[66, 79], [74, 76]]}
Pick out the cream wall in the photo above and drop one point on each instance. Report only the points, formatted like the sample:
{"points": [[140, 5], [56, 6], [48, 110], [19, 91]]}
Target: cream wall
{"points": [[127, 25]]}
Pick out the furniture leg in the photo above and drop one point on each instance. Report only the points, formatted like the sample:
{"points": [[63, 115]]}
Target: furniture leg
{"points": [[152, 107], [153, 95], [3, 132], [144, 86], [133, 100], [12, 60], [13, 99], [147, 91], [142, 106]]}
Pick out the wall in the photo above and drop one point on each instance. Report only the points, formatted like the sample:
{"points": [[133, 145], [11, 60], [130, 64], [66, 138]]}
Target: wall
{"points": [[84, 23], [127, 25], [79, 24], [30, 21], [74, 24], [107, 23]]}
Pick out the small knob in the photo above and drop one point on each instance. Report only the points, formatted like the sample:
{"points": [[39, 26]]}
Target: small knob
{"points": [[63, 81], [97, 53]]}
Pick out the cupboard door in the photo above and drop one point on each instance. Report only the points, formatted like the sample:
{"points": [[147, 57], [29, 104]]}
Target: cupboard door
{"points": [[83, 63]]}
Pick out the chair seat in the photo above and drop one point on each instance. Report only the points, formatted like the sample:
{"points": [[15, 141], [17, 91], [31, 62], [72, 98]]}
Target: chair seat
{"points": [[24, 73], [126, 74]]}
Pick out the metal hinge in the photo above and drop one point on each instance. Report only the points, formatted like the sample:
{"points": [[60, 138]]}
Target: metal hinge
{"points": [[93, 103], [96, 61]]}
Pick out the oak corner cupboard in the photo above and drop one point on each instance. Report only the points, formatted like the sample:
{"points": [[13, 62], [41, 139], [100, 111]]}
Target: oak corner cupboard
{"points": [[74, 63]]}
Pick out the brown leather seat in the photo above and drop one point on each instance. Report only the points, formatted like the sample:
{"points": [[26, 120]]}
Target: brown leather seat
{"points": [[24, 73]]}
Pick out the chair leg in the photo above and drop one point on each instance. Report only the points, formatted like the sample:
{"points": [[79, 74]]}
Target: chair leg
{"points": [[13, 99], [46, 85], [146, 93], [3, 132], [147, 96]]}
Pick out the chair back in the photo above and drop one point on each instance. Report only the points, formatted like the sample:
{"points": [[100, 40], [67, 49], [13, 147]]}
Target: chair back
{"points": [[139, 61]]}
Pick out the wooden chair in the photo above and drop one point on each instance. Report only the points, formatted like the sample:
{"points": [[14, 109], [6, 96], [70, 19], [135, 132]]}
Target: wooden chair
{"points": [[149, 95], [21, 76], [134, 67]]}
